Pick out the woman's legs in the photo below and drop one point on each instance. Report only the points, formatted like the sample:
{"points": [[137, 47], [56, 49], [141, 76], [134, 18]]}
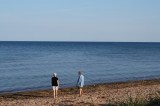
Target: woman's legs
{"points": [[56, 91]]}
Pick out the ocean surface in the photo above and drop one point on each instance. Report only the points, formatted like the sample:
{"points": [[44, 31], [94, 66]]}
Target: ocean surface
{"points": [[30, 65]]}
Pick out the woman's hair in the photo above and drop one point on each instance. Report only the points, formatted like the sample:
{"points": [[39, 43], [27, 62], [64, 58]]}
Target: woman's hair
{"points": [[54, 74]]}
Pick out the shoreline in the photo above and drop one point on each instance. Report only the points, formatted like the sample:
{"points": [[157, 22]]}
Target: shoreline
{"points": [[103, 93], [72, 87]]}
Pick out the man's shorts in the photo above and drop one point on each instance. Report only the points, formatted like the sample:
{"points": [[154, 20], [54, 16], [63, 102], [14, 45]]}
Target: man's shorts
{"points": [[80, 87], [55, 87]]}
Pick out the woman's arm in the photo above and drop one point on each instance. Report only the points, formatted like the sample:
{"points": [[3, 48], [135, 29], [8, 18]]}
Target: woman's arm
{"points": [[58, 82]]}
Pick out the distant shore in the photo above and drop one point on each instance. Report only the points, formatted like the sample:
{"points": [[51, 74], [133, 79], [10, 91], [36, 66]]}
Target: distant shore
{"points": [[99, 94]]}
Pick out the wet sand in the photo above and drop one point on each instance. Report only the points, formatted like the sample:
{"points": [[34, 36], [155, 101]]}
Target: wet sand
{"points": [[100, 94]]}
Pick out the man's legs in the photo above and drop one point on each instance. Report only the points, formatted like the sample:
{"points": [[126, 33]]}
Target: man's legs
{"points": [[80, 92]]}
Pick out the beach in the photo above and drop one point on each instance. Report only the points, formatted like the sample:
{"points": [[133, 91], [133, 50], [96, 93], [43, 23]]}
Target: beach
{"points": [[99, 94]]}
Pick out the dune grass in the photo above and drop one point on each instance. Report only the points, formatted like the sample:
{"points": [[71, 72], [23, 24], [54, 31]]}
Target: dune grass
{"points": [[140, 102]]}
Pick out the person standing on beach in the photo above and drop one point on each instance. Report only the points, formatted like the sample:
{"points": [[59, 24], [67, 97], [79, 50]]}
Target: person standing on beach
{"points": [[80, 83], [55, 84]]}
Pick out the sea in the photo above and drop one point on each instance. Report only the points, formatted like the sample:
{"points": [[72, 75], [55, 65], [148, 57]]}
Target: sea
{"points": [[29, 65]]}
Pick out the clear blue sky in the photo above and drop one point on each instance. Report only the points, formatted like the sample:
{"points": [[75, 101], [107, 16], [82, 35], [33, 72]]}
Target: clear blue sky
{"points": [[80, 20]]}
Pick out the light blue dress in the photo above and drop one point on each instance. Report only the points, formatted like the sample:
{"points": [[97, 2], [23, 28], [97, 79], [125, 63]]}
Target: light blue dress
{"points": [[80, 82]]}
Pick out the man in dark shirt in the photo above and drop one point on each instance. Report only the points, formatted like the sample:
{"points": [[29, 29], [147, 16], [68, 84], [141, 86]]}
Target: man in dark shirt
{"points": [[55, 84]]}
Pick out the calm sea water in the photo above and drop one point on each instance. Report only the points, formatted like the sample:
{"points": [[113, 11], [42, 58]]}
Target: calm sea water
{"points": [[30, 65]]}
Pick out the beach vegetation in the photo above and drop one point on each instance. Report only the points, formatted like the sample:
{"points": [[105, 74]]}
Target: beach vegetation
{"points": [[140, 102]]}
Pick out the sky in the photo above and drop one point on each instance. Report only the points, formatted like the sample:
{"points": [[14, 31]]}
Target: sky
{"points": [[80, 20]]}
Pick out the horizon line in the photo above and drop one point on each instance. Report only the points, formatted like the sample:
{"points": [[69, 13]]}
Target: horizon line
{"points": [[79, 41]]}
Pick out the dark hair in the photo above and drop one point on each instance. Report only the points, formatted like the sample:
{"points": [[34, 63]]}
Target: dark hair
{"points": [[79, 72]]}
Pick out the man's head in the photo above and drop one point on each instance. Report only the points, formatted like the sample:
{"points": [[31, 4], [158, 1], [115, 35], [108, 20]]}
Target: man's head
{"points": [[80, 72]]}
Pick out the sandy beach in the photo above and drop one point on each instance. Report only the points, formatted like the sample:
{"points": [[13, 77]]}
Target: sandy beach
{"points": [[100, 94]]}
